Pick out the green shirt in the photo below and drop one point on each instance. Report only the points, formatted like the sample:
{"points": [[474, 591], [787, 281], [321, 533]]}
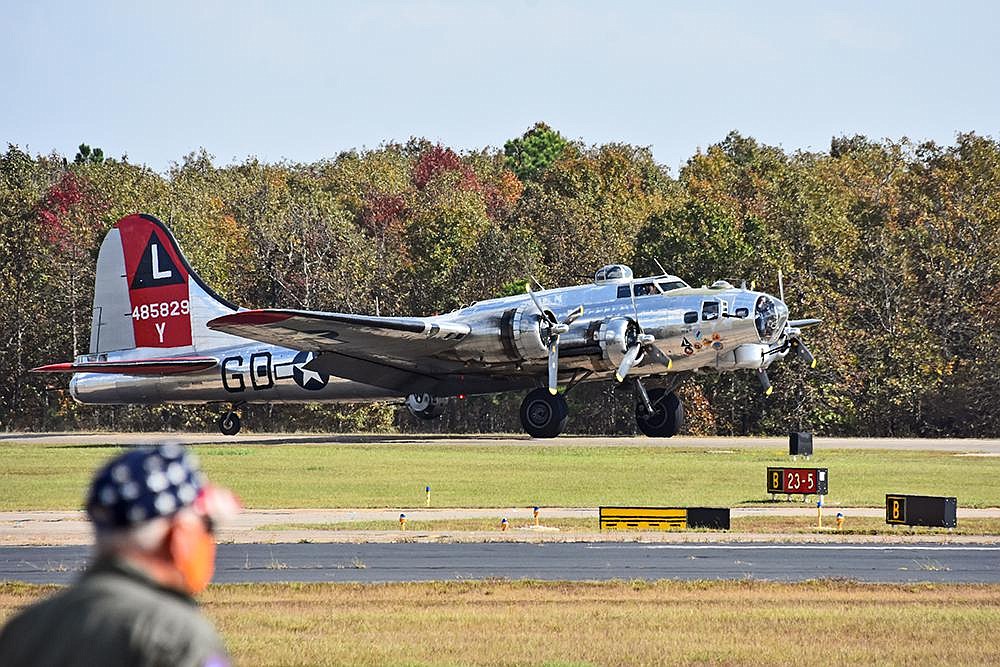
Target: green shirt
{"points": [[115, 615]]}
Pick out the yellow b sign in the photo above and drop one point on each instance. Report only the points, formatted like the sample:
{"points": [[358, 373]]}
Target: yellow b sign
{"points": [[895, 509]]}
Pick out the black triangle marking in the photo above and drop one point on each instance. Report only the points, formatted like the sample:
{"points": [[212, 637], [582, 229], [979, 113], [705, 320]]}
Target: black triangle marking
{"points": [[167, 272]]}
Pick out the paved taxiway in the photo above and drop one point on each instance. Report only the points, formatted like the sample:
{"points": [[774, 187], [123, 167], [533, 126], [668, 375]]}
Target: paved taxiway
{"points": [[974, 446], [582, 561]]}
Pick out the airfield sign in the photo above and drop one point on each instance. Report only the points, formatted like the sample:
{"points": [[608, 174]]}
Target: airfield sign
{"points": [[807, 481]]}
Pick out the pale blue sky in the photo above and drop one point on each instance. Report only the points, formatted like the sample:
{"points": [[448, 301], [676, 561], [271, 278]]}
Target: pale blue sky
{"points": [[306, 80]]}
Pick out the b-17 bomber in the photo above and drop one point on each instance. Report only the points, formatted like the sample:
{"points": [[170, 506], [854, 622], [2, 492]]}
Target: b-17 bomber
{"points": [[161, 335]]}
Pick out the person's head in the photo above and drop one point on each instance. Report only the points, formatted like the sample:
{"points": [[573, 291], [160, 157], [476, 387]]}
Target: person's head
{"points": [[153, 507]]}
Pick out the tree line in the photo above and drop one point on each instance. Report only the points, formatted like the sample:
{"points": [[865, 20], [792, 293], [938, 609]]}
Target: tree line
{"points": [[893, 243]]}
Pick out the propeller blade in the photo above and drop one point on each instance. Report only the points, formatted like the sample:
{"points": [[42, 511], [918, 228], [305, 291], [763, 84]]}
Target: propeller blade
{"points": [[803, 351], [659, 356], [545, 314], [801, 324], [553, 365], [572, 317], [765, 382], [628, 362]]}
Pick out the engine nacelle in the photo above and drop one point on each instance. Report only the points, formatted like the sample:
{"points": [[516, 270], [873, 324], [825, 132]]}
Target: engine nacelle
{"points": [[521, 329], [748, 355], [615, 336]]}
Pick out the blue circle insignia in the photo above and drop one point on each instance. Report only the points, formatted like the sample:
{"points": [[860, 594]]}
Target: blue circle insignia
{"points": [[309, 380]]}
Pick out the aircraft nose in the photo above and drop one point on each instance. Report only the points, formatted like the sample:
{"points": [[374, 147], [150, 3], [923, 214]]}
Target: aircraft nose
{"points": [[770, 314]]}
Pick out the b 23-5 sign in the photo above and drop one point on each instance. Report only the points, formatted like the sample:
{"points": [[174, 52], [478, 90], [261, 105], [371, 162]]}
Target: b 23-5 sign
{"points": [[808, 481]]}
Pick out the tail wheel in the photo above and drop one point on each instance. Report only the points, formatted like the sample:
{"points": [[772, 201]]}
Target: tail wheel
{"points": [[229, 423], [667, 417], [426, 406], [542, 414]]}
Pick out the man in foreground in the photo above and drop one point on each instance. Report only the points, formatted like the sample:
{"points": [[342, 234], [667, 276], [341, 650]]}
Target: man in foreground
{"points": [[154, 518]]}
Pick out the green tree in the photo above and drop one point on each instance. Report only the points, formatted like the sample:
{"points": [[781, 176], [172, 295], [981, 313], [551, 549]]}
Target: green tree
{"points": [[531, 154]]}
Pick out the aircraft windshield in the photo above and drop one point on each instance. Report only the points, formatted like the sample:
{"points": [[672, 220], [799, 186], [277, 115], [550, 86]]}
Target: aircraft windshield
{"points": [[766, 318]]}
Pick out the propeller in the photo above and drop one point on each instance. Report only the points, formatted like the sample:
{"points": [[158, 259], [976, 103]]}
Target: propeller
{"points": [[793, 342], [800, 349], [765, 382], [555, 329], [643, 344]]}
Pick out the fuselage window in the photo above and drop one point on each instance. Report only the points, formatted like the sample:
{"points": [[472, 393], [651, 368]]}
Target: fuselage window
{"points": [[645, 289], [668, 285], [710, 310], [624, 291], [690, 317]]}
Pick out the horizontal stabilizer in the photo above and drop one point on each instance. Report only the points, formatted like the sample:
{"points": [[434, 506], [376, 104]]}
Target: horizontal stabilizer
{"points": [[170, 366]]}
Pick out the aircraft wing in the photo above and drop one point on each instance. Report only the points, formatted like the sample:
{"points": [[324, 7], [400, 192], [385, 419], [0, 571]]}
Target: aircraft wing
{"points": [[406, 343]]}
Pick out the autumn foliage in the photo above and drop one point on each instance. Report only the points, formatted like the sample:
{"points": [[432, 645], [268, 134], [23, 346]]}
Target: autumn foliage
{"points": [[892, 243]]}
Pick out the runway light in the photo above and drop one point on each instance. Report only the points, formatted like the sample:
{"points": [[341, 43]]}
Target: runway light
{"points": [[402, 522], [819, 512], [461, 397], [535, 512], [503, 524], [840, 520], [428, 490]]}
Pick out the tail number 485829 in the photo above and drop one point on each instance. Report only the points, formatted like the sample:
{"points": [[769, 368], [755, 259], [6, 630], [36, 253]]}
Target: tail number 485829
{"points": [[158, 310]]}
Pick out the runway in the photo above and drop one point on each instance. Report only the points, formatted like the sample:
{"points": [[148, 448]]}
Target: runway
{"points": [[582, 561]]}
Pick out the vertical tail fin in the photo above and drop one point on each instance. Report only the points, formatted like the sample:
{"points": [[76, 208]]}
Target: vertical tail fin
{"points": [[146, 295]]}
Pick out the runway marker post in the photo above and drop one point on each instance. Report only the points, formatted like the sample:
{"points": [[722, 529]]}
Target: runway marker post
{"points": [[819, 512], [428, 490], [503, 524], [840, 520], [402, 522], [535, 512]]}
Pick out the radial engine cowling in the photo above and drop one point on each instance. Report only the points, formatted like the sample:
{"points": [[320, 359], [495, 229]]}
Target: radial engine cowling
{"points": [[521, 334], [615, 337]]}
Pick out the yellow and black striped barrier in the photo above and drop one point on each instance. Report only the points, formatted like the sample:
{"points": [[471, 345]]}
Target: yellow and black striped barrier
{"points": [[663, 518]]}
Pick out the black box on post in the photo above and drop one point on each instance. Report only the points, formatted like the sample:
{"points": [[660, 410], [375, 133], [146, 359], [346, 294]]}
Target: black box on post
{"points": [[800, 444]]}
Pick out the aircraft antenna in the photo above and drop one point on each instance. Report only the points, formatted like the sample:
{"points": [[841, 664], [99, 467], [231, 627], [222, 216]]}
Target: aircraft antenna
{"points": [[663, 270], [535, 280], [781, 286]]}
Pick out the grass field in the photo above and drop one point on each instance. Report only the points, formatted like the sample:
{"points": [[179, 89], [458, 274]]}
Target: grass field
{"points": [[529, 623], [768, 524], [328, 476]]}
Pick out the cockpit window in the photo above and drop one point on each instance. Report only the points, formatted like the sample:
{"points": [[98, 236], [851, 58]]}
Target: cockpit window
{"points": [[668, 285], [710, 310], [641, 289], [613, 273]]}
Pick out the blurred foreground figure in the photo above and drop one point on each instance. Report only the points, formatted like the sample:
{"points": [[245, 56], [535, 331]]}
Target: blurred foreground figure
{"points": [[154, 518]]}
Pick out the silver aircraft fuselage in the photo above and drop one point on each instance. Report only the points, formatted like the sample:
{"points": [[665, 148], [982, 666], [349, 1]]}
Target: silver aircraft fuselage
{"points": [[716, 328]]}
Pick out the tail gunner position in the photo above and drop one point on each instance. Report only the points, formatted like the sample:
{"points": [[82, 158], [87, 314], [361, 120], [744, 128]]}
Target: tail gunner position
{"points": [[161, 335]]}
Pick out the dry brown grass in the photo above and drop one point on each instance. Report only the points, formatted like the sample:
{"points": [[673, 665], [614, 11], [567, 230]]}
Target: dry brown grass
{"points": [[617, 623]]}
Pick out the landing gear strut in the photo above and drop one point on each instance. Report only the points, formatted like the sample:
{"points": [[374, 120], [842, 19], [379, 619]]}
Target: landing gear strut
{"points": [[542, 414], [229, 423], [666, 418]]}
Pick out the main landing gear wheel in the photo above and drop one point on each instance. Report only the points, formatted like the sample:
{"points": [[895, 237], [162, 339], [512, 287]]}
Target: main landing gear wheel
{"points": [[229, 423], [542, 414], [667, 417]]}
